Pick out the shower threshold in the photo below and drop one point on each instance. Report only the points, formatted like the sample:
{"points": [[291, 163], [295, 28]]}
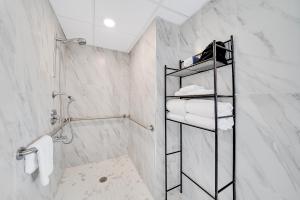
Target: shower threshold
{"points": [[113, 179]]}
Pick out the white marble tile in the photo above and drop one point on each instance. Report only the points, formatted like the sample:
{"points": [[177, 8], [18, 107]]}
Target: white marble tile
{"points": [[123, 182], [142, 77], [95, 77], [98, 80], [265, 52], [141, 145], [95, 141], [267, 101], [27, 37]]}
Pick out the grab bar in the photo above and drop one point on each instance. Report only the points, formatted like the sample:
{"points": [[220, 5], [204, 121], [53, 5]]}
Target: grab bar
{"points": [[23, 151], [150, 127], [96, 118]]}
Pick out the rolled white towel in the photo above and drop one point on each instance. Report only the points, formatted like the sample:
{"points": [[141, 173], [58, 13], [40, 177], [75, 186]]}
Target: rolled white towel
{"points": [[177, 106], [176, 117], [205, 108], [209, 123]]}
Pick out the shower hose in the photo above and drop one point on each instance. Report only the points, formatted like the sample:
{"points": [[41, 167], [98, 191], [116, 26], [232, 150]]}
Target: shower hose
{"points": [[69, 121]]}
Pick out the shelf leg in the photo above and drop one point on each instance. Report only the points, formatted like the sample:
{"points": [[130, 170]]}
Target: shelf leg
{"points": [[180, 85], [165, 104], [234, 121], [216, 119]]}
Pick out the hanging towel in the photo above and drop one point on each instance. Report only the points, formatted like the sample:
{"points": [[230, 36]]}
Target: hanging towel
{"points": [[209, 123], [43, 159], [176, 106], [176, 117], [190, 61], [205, 108], [31, 163], [193, 90]]}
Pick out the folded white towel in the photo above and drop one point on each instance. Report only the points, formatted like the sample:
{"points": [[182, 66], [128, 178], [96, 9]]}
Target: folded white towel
{"points": [[205, 108], [176, 106], [176, 117], [209, 123], [190, 88], [43, 159], [193, 90]]}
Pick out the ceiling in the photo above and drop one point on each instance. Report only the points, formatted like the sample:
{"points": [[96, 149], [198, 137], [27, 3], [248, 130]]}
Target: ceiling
{"points": [[84, 18]]}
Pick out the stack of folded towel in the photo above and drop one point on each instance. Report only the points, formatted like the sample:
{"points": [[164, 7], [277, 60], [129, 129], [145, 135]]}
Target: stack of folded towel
{"points": [[200, 113], [193, 90]]}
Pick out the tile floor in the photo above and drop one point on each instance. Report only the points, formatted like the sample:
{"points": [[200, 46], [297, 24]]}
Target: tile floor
{"points": [[123, 182]]}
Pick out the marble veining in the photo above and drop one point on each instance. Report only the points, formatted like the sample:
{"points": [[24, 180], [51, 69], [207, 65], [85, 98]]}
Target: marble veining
{"points": [[267, 99], [98, 80], [95, 141], [142, 98], [28, 29]]}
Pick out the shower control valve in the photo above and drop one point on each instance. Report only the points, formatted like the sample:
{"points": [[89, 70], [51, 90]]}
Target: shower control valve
{"points": [[54, 117]]}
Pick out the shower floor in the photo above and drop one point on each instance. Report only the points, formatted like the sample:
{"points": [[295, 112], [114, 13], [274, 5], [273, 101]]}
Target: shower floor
{"points": [[123, 182]]}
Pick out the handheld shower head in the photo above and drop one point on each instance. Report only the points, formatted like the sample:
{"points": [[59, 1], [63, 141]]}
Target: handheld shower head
{"points": [[80, 41], [71, 99]]}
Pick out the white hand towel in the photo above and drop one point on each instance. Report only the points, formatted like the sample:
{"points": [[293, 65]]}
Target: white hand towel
{"points": [[175, 117], [176, 106], [31, 163], [44, 155], [209, 123], [205, 108]]}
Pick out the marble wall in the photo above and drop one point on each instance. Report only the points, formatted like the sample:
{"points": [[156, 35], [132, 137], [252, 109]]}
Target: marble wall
{"points": [[266, 46], [98, 79], [167, 53], [141, 144], [27, 32]]}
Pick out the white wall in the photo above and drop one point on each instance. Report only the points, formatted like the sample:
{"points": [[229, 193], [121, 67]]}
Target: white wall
{"points": [[98, 79], [141, 146], [27, 32]]}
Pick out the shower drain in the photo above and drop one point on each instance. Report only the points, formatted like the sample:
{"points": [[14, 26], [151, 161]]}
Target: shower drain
{"points": [[103, 179]]}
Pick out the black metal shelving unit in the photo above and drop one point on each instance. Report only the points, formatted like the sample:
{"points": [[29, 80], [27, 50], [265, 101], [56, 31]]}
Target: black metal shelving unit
{"points": [[207, 65]]}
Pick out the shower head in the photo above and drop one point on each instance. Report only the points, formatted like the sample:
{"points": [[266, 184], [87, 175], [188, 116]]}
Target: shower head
{"points": [[80, 41]]}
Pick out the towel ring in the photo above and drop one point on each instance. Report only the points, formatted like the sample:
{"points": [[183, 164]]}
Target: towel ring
{"points": [[22, 152]]}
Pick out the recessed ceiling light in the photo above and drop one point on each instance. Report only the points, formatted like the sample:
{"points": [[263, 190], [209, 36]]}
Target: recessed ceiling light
{"points": [[109, 22]]}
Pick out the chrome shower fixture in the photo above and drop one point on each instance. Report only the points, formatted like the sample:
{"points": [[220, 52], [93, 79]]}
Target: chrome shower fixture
{"points": [[54, 117], [80, 41], [54, 94], [71, 99]]}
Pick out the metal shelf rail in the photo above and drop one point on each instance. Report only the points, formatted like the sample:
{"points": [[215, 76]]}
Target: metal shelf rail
{"points": [[204, 66]]}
